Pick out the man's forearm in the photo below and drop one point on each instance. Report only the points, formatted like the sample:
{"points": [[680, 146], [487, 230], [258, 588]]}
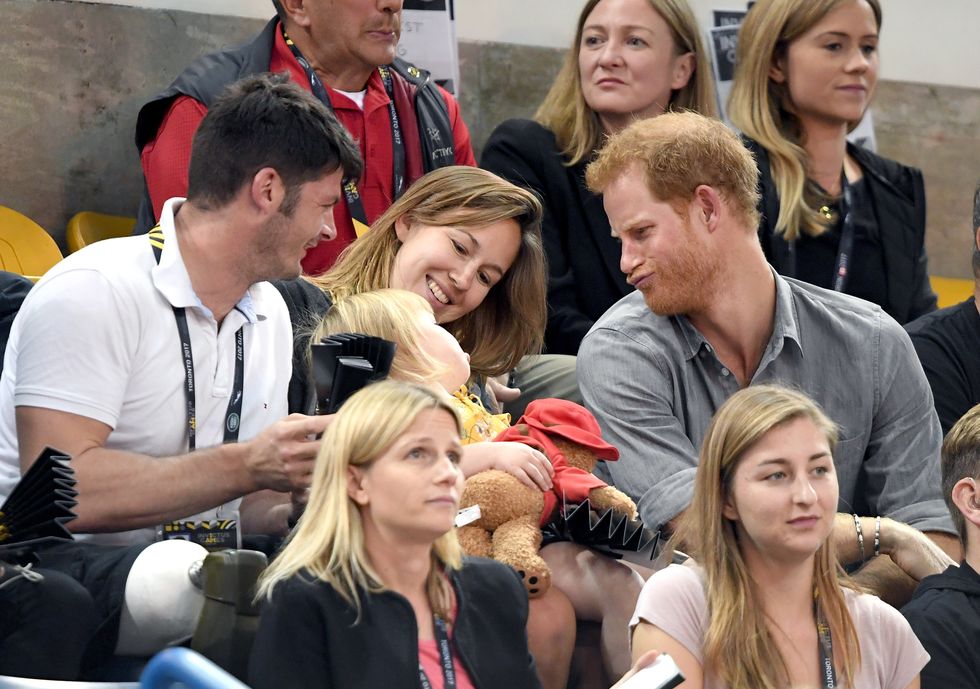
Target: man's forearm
{"points": [[119, 491], [950, 544], [897, 543], [882, 577]]}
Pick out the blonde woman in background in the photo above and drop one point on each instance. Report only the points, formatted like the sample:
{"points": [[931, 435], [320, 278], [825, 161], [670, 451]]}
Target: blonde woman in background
{"points": [[767, 606], [833, 213], [631, 59]]}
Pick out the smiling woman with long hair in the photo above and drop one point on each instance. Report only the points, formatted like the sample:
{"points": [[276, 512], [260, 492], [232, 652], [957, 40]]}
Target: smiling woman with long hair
{"points": [[833, 213], [767, 606]]}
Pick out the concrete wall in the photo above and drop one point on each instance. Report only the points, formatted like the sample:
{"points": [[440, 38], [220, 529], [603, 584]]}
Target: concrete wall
{"points": [[943, 53], [77, 72]]}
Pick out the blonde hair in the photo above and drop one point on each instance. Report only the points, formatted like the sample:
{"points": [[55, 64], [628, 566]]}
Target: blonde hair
{"points": [[328, 541], [761, 108], [576, 126], [392, 314], [679, 151], [738, 648], [510, 322]]}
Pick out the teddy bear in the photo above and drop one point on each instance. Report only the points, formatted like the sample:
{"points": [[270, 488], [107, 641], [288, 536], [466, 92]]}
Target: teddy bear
{"points": [[512, 514]]}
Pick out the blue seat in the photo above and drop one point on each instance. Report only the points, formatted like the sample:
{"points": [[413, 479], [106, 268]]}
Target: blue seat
{"points": [[24, 683]]}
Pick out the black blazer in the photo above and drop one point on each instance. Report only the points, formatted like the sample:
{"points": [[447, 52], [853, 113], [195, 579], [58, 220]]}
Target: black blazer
{"points": [[899, 197], [584, 278], [309, 637]]}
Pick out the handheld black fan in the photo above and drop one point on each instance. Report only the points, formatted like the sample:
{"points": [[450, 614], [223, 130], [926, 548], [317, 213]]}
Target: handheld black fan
{"points": [[346, 362], [611, 533], [40, 504]]}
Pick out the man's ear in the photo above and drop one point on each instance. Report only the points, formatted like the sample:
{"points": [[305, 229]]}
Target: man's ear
{"points": [[707, 206], [966, 497], [355, 486], [295, 11], [267, 191]]}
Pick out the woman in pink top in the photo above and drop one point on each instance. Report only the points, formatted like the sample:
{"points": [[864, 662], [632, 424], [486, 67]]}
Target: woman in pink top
{"points": [[371, 589], [767, 606]]}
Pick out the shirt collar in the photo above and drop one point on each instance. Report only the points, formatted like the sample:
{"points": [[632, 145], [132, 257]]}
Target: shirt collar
{"points": [[785, 324], [170, 277]]}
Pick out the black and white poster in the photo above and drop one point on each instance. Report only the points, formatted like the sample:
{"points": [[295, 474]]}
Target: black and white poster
{"points": [[428, 40]]}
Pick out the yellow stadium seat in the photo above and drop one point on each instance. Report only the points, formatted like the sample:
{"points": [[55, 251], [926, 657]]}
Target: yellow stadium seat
{"points": [[87, 228], [25, 247], [951, 290]]}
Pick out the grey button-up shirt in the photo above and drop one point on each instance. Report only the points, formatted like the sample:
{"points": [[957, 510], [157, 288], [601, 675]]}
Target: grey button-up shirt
{"points": [[654, 382]]}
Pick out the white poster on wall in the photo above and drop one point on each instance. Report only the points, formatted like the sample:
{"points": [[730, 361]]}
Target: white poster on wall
{"points": [[428, 40]]}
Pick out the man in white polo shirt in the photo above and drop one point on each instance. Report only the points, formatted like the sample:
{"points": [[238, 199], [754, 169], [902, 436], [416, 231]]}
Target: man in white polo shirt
{"points": [[160, 362]]}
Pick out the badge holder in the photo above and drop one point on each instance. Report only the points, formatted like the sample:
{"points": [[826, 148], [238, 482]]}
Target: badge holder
{"points": [[212, 534]]}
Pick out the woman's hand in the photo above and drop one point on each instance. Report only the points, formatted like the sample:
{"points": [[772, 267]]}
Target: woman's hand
{"points": [[641, 662], [914, 552]]}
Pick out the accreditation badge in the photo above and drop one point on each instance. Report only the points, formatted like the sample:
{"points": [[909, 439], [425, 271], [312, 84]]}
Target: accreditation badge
{"points": [[213, 534]]}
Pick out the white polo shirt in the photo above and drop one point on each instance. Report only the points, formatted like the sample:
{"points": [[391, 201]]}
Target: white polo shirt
{"points": [[97, 337]]}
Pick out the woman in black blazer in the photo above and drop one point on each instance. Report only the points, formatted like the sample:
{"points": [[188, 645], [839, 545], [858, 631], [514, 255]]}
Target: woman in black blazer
{"points": [[833, 214], [630, 59]]}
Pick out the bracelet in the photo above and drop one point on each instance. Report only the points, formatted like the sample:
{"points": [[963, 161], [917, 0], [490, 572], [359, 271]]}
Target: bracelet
{"points": [[860, 535], [877, 536]]}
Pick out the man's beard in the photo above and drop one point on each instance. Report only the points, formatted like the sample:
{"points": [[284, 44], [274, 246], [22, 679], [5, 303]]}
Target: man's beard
{"points": [[685, 284]]}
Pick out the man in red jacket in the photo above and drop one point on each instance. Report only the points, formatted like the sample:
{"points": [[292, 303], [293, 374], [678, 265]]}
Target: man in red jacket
{"points": [[344, 52]]}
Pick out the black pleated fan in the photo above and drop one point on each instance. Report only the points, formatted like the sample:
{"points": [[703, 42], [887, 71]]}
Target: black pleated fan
{"points": [[346, 362], [611, 533], [40, 505]]}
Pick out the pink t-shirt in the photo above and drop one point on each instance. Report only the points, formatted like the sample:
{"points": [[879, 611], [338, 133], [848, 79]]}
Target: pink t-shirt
{"points": [[432, 664], [891, 657]]}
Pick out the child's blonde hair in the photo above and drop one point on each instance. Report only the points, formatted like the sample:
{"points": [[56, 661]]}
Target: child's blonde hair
{"points": [[392, 314]]}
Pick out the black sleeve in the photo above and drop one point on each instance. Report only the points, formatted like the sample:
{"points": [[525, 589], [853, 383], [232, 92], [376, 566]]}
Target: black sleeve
{"points": [[952, 657], [923, 298], [525, 153], [950, 387], [307, 304], [290, 648]]}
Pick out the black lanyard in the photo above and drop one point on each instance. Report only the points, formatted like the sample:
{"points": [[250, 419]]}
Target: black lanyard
{"points": [[233, 415], [825, 646], [445, 657], [845, 248], [354, 203]]}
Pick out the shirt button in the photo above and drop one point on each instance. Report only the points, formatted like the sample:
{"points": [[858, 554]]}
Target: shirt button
{"points": [[725, 372]]}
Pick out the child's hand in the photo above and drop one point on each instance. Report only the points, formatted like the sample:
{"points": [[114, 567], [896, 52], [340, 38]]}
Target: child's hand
{"points": [[529, 465], [501, 392]]}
